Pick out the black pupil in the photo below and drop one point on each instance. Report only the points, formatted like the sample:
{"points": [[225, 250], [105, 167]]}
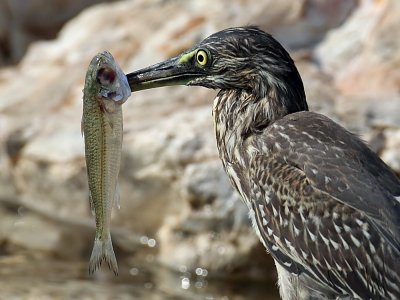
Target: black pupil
{"points": [[200, 58]]}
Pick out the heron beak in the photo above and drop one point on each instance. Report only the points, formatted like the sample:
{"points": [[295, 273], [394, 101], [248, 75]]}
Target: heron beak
{"points": [[174, 71]]}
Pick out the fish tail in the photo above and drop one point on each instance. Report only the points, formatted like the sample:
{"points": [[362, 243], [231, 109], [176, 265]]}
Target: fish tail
{"points": [[103, 250]]}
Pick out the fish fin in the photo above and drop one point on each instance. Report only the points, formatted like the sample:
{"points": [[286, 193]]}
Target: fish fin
{"points": [[103, 250], [91, 204], [108, 108], [109, 120], [108, 105], [117, 198]]}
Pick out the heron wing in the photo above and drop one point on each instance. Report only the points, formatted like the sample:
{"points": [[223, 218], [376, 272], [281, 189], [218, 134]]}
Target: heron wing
{"points": [[341, 165], [317, 233]]}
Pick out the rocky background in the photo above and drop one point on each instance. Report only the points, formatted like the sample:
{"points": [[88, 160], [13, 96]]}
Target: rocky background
{"points": [[178, 211]]}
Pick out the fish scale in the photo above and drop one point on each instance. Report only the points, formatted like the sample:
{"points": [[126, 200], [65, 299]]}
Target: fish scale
{"points": [[106, 88]]}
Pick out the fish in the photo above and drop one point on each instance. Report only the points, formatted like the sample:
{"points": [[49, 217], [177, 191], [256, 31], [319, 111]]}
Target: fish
{"points": [[106, 89]]}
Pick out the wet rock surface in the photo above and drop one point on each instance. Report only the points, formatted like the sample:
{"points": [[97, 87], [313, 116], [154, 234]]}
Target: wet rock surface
{"points": [[178, 210]]}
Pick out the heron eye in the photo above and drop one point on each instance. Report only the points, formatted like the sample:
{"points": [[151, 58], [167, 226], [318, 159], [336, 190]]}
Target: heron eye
{"points": [[201, 57]]}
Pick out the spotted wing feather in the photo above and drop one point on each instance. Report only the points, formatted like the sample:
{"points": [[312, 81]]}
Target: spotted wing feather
{"points": [[334, 243], [331, 203], [340, 164]]}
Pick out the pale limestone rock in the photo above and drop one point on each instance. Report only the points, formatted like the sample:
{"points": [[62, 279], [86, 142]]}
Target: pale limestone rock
{"points": [[391, 151], [362, 55]]}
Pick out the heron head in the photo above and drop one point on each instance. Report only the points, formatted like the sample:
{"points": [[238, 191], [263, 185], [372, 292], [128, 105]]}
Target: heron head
{"points": [[243, 58]]}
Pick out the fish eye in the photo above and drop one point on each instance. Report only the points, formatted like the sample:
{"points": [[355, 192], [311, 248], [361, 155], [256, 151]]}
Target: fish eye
{"points": [[201, 57], [106, 76]]}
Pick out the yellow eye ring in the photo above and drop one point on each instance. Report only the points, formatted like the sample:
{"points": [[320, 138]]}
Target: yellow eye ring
{"points": [[201, 57]]}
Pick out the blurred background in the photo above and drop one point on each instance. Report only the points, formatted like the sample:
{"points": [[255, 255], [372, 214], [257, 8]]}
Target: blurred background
{"points": [[181, 232]]}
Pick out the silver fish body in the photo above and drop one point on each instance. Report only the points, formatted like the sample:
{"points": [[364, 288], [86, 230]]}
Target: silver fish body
{"points": [[106, 88]]}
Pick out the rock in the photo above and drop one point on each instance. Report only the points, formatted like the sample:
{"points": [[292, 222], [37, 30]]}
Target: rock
{"points": [[4, 28], [362, 53], [385, 114], [214, 231], [321, 94], [22, 22], [390, 153], [305, 23]]}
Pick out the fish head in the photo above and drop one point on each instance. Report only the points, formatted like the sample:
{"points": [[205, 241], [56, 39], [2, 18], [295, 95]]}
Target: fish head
{"points": [[113, 83]]}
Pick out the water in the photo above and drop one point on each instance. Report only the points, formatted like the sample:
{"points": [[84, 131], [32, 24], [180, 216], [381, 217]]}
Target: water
{"points": [[38, 277]]}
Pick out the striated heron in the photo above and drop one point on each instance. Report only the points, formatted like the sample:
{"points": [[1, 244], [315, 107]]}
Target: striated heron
{"points": [[322, 203]]}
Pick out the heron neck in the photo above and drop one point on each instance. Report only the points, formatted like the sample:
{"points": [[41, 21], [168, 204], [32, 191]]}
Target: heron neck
{"points": [[238, 115]]}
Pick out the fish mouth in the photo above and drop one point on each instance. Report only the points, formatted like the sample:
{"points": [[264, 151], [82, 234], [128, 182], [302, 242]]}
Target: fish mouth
{"points": [[167, 73]]}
